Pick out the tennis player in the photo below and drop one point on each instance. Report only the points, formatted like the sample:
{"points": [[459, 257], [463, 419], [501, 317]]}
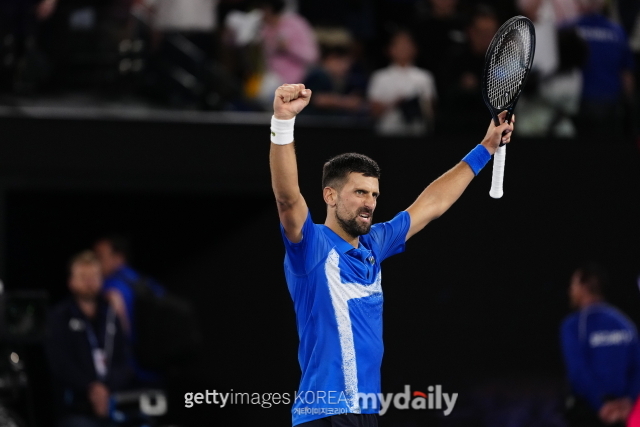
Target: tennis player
{"points": [[333, 269]]}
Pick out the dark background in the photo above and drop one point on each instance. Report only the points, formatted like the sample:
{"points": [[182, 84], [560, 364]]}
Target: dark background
{"points": [[474, 304]]}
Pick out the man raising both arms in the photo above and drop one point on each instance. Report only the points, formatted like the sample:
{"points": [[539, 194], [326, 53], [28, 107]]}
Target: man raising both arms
{"points": [[333, 269]]}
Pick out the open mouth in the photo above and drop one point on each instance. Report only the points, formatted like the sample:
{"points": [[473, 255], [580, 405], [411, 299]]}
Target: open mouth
{"points": [[365, 217]]}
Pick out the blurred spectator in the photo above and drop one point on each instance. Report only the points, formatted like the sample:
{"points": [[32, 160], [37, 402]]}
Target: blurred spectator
{"points": [[289, 48], [601, 352], [86, 348], [338, 88], [608, 81], [402, 95], [119, 282], [185, 68], [551, 99], [465, 65], [560, 11], [438, 31], [193, 19]]}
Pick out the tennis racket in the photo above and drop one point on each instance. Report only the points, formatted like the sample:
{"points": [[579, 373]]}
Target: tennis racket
{"points": [[506, 68]]}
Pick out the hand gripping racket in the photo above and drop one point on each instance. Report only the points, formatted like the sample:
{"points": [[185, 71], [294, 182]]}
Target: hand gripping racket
{"points": [[506, 68]]}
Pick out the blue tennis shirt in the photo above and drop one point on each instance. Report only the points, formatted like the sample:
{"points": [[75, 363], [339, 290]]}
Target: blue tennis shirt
{"points": [[602, 354], [337, 298]]}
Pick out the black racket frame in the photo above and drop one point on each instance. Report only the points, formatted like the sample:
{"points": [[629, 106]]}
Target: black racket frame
{"points": [[510, 107]]}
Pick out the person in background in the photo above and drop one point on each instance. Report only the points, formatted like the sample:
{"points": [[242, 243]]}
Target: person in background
{"points": [[193, 19], [402, 95], [86, 348], [465, 66], [561, 11], [337, 86], [601, 353], [608, 80], [119, 282], [289, 47]]}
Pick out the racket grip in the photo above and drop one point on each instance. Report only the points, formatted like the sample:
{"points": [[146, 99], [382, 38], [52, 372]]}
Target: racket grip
{"points": [[498, 172]]}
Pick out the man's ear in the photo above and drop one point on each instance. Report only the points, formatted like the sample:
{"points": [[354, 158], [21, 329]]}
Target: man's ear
{"points": [[330, 196]]}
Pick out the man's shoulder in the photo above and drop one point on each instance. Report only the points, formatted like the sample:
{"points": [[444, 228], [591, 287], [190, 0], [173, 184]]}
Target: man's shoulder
{"points": [[123, 277], [396, 217], [616, 315], [422, 73], [383, 73], [397, 222], [312, 234]]}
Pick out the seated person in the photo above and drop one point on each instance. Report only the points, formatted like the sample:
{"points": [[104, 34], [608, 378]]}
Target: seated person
{"points": [[120, 281], [402, 95], [337, 86], [86, 348]]}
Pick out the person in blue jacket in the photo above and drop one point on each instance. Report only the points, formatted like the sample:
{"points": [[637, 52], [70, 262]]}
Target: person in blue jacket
{"points": [[119, 289], [601, 353]]}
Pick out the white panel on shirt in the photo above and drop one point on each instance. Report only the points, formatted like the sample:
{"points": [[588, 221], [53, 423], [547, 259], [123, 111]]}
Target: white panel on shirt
{"points": [[341, 293]]}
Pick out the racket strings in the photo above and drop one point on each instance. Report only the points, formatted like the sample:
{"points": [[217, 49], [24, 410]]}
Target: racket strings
{"points": [[508, 65]]}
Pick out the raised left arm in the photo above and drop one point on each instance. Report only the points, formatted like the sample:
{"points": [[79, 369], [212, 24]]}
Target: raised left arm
{"points": [[438, 197]]}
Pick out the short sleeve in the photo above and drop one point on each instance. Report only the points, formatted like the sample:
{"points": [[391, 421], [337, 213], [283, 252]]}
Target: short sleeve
{"points": [[303, 256], [390, 236]]}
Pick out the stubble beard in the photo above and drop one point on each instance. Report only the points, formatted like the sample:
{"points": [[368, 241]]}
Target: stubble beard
{"points": [[351, 226]]}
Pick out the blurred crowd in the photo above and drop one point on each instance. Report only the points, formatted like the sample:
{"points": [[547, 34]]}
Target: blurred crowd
{"points": [[412, 67]]}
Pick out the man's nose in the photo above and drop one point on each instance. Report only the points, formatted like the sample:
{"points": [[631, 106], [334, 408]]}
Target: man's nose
{"points": [[370, 202]]}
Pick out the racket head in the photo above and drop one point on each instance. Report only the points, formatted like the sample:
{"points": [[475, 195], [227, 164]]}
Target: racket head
{"points": [[507, 65]]}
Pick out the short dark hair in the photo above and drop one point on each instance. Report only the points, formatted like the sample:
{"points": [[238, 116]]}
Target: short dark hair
{"points": [[593, 277], [338, 168], [119, 244]]}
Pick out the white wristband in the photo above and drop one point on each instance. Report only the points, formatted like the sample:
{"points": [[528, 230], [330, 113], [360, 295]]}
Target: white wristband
{"points": [[282, 131]]}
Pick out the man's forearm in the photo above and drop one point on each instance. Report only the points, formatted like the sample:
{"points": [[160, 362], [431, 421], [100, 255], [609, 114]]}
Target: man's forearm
{"points": [[284, 174], [438, 197]]}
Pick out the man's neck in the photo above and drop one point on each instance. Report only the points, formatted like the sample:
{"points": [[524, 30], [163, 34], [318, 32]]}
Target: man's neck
{"points": [[87, 306], [590, 300], [333, 225]]}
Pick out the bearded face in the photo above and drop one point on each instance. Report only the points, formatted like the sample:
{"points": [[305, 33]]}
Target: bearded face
{"points": [[355, 223], [355, 203]]}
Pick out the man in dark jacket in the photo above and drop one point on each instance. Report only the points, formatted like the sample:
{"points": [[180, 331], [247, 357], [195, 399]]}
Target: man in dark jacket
{"points": [[86, 348]]}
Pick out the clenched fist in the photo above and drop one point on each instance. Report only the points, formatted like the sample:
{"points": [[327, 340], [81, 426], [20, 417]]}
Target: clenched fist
{"points": [[497, 134], [290, 100]]}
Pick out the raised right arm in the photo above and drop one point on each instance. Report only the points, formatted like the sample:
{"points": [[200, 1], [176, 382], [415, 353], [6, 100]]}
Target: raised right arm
{"points": [[289, 100]]}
